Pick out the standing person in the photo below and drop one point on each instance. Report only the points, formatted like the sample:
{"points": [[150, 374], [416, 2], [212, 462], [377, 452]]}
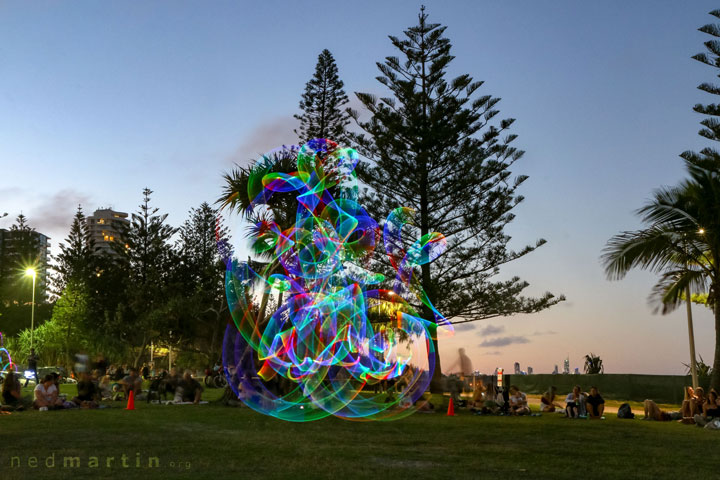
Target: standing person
{"points": [[32, 366], [145, 371], [518, 402], [595, 403]]}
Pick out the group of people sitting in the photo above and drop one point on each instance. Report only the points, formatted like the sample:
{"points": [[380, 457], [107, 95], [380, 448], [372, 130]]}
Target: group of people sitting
{"points": [[697, 408], [92, 388], [487, 399], [578, 404]]}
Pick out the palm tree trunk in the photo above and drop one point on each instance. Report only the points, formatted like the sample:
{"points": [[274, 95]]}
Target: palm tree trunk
{"points": [[715, 378]]}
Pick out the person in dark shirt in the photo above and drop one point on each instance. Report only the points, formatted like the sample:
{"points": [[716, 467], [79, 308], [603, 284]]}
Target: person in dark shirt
{"points": [[32, 366], [119, 374], [88, 393], [191, 388], [711, 410], [595, 404]]}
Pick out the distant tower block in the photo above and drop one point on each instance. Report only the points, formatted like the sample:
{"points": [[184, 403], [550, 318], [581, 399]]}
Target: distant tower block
{"points": [[105, 227], [555, 372], [530, 370], [566, 366], [517, 368]]}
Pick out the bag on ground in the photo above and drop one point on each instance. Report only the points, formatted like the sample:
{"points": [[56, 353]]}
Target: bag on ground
{"points": [[625, 411]]}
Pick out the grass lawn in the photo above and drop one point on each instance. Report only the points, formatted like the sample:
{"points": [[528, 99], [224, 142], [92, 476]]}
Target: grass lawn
{"points": [[212, 441]]}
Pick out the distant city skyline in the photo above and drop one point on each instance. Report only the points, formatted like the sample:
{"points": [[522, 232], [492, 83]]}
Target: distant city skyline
{"points": [[100, 100]]}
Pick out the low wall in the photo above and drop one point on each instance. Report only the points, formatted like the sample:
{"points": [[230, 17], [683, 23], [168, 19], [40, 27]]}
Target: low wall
{"points": [[660, 388]]}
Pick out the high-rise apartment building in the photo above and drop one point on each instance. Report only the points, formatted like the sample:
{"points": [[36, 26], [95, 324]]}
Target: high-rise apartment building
{"points": [[105, 226]]}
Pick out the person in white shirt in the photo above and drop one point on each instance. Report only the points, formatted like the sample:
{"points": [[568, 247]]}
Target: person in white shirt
{"points": [[518, 402], [575, 403], [46, 395]]}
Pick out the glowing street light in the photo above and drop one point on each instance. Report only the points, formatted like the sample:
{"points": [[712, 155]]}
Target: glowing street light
{"points": [[30, 272]]}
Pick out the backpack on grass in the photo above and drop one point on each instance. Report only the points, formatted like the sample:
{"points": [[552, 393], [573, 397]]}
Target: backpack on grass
{"points": [[625, 411]]}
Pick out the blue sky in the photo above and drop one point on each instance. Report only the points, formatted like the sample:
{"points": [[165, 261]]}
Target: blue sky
{"points": [[100, 99]]}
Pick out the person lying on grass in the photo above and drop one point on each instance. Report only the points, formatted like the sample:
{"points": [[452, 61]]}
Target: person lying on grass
{"points": [[46, 394], [710, 410], [595, 404], [547, 401], [653, 412], [518, 402]]}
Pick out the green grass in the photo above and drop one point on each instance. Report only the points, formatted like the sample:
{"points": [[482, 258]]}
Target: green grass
{"points": [[213, 441]]}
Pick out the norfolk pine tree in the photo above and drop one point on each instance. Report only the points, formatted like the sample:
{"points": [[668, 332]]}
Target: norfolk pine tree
{"points": [[76, 261], [432, 147], [322, 104]]}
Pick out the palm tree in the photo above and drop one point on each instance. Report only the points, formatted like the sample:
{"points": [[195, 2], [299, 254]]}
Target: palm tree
{"points": [[681, 242], [593, 364], [243, 193]]}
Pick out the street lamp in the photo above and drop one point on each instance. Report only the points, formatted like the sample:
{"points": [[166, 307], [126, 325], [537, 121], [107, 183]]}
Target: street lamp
{"points": [[30, 272]]}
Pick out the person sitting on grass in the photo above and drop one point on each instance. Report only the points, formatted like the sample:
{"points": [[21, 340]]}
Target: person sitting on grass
{"points": [[692, 404], [595, 404], [189, 389], [46, 394], [132, 383], [105, 387], [11, 392], [710, 410], [518, 402], [478, 400], [547, 401], [88, 393], [653, 412], [574, 402]]}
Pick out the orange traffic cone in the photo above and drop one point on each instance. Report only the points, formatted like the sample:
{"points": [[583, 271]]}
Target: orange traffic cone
{"points": [[131, 401], [451, 408]]}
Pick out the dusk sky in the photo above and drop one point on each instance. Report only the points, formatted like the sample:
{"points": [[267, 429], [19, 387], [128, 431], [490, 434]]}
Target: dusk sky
{"points": [[101, 99]]}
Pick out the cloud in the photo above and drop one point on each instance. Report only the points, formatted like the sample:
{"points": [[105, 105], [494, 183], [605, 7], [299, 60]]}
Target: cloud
{"points": [[53, 215], [464, 327], [491, 330], [546, 332], [504, 341], [265, 137]]}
